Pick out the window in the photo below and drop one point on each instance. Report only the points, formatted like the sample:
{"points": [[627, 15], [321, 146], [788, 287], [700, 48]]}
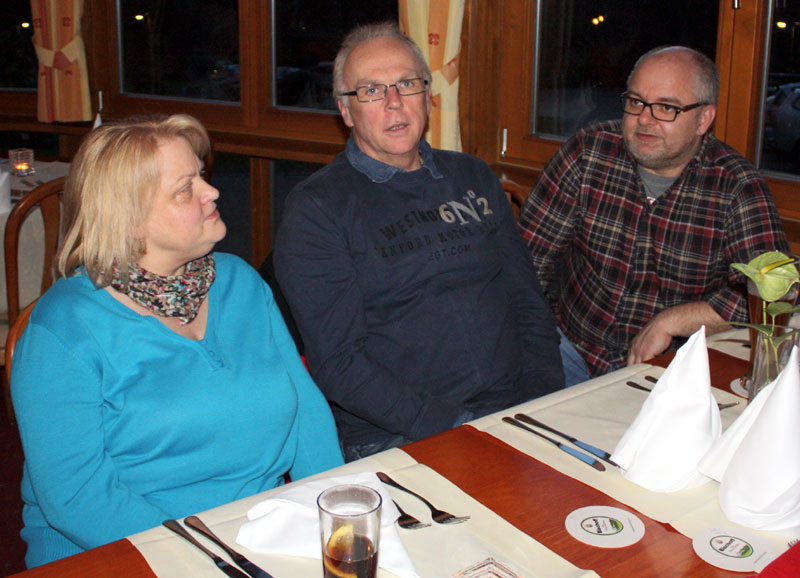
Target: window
{"points": [[586, 50], [306, 37], [581, 54], [16, 45], [780, 133], [180, 48]]}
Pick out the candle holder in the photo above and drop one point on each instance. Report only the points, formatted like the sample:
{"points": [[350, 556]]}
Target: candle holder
{"points": [[21, 161]]}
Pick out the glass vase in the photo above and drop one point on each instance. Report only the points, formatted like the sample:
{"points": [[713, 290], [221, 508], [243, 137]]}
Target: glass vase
{"points": [[769, 358]]}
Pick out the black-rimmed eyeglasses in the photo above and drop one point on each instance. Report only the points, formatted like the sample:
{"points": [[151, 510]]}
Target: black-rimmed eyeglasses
{"points": [[660, 110], [373, 92]]}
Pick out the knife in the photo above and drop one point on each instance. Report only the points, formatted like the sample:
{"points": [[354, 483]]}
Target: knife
{"points": [[221, 564], [571, 451], [635, 385], [602, 454], [197, 524]]}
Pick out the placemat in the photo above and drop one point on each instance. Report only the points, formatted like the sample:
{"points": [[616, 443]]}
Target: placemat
{"points": [[599, 412], [437, 551]]}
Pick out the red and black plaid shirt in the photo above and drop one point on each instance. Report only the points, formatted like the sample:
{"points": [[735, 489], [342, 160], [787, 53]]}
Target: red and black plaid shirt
{"points": [[609, 261]]}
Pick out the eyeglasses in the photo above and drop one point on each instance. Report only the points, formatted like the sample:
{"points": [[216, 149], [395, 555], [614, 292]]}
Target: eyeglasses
{"points": [[659, 110], [373, 92]]}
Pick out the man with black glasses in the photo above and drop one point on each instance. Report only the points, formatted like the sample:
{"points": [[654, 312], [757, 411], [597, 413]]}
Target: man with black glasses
{"points": [[415, 296], [633, 224]]}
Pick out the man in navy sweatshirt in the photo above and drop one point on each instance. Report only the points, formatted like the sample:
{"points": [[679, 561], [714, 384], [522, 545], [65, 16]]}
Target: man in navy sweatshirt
{"points": [[414, 293]]}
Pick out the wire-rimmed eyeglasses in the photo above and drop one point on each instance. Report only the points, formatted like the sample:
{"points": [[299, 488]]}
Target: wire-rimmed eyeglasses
{"points": [[660, 110], [373, 92]]}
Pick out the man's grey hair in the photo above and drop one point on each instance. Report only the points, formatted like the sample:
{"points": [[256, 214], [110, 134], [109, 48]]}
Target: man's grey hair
{"points": [[361, 34], [706, 80]]}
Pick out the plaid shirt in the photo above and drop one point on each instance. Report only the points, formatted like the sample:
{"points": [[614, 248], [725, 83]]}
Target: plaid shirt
{"points": [[609, 261]]}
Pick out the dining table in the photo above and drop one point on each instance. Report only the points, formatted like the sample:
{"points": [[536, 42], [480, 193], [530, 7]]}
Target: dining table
{"points": [[517, 488]]}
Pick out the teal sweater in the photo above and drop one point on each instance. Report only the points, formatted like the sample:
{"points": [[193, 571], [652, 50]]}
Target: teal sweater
{"points": [[125, 423]]}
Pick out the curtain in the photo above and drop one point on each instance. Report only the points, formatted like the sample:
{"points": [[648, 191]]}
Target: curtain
{"points": [[63, 77], [435, 25]]}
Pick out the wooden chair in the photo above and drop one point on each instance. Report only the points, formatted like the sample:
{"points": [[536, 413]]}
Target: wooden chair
{"points": [[48, 198], [516, 194], [14, 332]]}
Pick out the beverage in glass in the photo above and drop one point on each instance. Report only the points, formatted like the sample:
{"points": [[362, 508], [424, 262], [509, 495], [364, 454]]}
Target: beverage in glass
{"points": [[350, 521]]}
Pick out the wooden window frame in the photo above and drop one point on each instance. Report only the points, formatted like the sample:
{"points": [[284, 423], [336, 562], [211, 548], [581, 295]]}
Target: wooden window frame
{"points": [[740, 63]]}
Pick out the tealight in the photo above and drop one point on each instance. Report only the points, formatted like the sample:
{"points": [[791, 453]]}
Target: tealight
{"points": [[21, 161]]}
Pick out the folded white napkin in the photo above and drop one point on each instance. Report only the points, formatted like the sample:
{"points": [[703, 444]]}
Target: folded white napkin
{"points": [[5, 191], [757, 461], [289, 524], [677, 424]]}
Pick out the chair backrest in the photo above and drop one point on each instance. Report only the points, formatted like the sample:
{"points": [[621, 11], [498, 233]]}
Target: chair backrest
{"points": [[16, 329], [516, 194], [48, 198]]}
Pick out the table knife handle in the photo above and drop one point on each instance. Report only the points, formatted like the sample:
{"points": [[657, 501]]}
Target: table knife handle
{"points": [[583, 457], [602, 454], [181, 531], [219, 562], [573, 452], [197, 524]]}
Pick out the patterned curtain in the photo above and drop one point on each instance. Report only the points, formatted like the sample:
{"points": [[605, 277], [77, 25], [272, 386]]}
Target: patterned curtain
{"points": [[435, 25], [63, 76]]}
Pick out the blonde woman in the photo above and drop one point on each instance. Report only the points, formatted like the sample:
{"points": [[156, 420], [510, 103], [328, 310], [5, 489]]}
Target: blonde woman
{"points": [[155, 379]]}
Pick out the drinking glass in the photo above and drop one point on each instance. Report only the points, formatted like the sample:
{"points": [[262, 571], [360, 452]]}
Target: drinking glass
{"points": [[350, 524]]}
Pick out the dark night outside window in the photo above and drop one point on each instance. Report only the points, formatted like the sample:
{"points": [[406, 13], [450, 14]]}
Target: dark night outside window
{"points": [[587, 50], [307, 34], [180, 48], [20, 66], [780, 140]]}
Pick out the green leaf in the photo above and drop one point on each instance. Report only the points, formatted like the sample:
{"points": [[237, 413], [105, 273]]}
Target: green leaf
{"points": [[777, 340], [765, 329], [781, 307]]}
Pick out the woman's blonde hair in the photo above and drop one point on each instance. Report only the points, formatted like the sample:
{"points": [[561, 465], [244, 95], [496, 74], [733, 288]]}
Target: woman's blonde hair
{"points": [[109, 188]]}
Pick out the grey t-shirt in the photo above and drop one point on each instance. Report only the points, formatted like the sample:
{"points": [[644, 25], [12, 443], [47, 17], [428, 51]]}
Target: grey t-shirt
{"points": [[654, 185]]}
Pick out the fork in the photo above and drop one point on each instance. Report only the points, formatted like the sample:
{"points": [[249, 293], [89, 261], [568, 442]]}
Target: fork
{"points": [[635, 385], [439, 516], [408, 521]]}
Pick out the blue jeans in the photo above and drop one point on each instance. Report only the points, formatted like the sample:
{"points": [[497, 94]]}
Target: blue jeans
{"points": [[575, 369]]}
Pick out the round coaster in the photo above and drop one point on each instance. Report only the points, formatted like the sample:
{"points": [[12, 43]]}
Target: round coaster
{"points": [[734, 548], [736, 387], [604, 526]]}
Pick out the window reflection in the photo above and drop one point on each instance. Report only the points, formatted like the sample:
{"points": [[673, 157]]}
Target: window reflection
{"points": [[19, 65], [306, 36], [586, 50], [180, 48], [780, 144]]}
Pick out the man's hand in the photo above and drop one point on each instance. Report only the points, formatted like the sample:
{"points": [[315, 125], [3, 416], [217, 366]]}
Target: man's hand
{"points": [[679, 321], [654, 338]]}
